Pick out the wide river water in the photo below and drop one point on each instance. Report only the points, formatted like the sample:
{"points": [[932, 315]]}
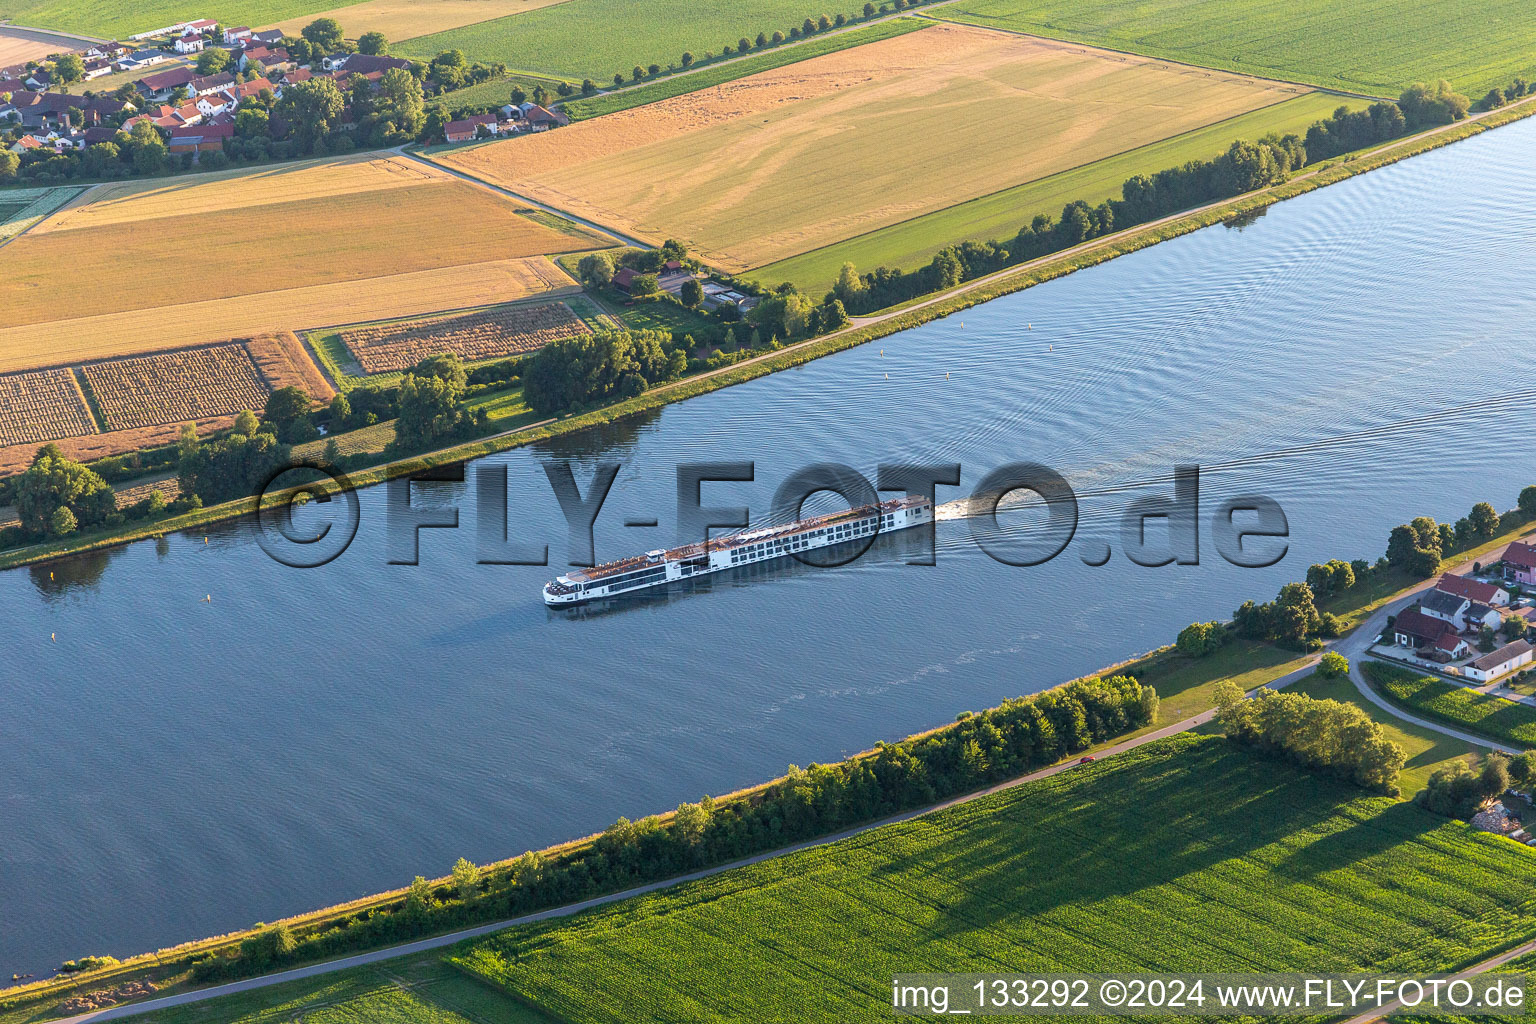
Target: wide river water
{"points": [[214, 739]]}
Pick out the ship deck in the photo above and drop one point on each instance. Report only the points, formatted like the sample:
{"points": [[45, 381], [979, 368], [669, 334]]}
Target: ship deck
{"points": [[733, 540]]}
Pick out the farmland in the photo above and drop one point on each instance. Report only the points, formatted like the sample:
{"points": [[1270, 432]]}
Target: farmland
{"points": [[1260, 866], [483, 334], [405, 19], [580, 109], [180, 386], [998, 216], [304, 240], [42, 406], [1503, 720], [277, 249], [794, 159], [595, 38], [192, 323], [17, 46], [1376, 48]]}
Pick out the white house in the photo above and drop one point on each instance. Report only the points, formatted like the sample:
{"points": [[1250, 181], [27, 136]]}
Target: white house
{"points": [[189, 43], [1448, 608], [234, 35], [1501, 662], [214, 104]]}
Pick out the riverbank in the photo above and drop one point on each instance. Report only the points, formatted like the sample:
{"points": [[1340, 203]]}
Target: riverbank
{"points": [[862, 331], [1185, 686]]}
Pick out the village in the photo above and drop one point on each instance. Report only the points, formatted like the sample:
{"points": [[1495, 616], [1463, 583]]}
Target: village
{"points": [[1472, 629], [195, 112]]}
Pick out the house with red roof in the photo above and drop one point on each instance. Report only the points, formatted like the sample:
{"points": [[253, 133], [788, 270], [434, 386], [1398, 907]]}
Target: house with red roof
{"points": [[469, 127], [1427, 637], [1472, 590], [1520, 563]]}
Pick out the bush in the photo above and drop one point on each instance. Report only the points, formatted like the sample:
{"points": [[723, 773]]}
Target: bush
{"points": [[1332, 665]]}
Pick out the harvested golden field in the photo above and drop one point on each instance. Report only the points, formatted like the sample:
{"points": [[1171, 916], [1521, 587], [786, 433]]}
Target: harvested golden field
{"points": [[177, 386], [200, 322], [792, 159], [406, 19], [42, 406], [283, 362], [258, 233], [473, 336], [17, 46]]}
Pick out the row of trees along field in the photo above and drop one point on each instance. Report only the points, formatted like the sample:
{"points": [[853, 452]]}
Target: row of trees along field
{"points": [[1244, 167], [977, 749], [1322, 735]]}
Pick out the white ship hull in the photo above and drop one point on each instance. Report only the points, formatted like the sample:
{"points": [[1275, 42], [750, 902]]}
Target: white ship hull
{"points": [[766, 544]]}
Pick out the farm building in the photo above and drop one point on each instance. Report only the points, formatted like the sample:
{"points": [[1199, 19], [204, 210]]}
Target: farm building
{"points": [[469, 127], [200, 138], [1501, 662], [160, 86]]}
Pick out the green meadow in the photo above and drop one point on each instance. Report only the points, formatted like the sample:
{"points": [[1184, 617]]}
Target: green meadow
{"points": [[600, 38], [999, 216], [1188, 854], [1377, 48]]}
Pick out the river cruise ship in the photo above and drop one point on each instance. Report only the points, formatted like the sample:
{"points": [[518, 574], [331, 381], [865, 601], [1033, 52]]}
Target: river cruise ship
{"points": [[660, 567]]}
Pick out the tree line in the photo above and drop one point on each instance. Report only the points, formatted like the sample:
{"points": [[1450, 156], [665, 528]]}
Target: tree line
{"points": [[1244, 167], [1323, 735]]}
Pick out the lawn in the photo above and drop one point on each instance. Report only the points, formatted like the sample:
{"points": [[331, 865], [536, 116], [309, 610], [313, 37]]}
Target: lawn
{"points": [[998, 216], [790, 160], [405, 19], [119, 19], [598, 38], [1427, 750], [1376, 48], [1505, 721], [1188, 854], [269, 250], [665, 88]]}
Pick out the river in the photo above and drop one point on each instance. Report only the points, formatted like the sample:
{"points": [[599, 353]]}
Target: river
{"points": [[194, 737]]}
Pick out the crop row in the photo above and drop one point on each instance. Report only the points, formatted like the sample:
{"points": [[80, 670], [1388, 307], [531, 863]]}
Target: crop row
{"points": [[1483, 713], [45, 405], [483, 334], [176, 386]]}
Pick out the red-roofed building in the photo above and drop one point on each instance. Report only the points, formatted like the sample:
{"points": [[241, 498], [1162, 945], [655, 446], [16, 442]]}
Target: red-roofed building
{"points": [[201, 138], [189, 43], [1520, 563], [297, 75], [1429, 637], [160, 86], [1472, 590]]}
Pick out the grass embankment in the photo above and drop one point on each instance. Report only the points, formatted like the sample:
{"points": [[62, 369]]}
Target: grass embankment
{"points": [[1506, 721], [1377, 48], [968, 295], [997, 217], [788, 53], [1128, 865]]}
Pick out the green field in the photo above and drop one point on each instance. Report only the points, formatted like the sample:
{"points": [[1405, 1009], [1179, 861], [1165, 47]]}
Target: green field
{"points": [[1505, 721], [599, 38], [121, 18], [414, 990], [1186, 854], [999, 216], [778, 57], [1427, 750], [1377, 48]]}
